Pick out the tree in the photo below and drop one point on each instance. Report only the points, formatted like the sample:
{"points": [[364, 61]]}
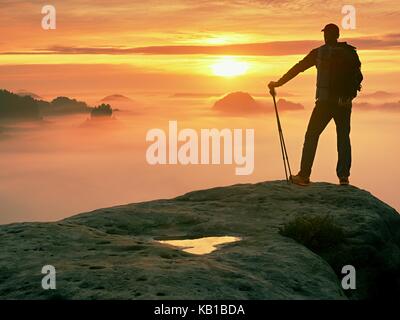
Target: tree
{"points": [[103, 110]]}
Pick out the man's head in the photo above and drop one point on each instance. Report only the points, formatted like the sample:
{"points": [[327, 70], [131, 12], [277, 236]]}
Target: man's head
{"points": [[331, 33]]}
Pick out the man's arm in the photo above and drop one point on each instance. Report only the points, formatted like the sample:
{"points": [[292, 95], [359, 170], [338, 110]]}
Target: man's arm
{"points": [[309, 61]]}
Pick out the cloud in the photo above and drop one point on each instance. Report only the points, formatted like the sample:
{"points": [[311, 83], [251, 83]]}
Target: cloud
{"points": [[377, 95], [387, 107], [194, 95], [274, 48], [286, 105], [254, 49], [137, 23]]}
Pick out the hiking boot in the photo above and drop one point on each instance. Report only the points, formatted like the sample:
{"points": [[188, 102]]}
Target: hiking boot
{"points": [[344, 181], [299, 180]]}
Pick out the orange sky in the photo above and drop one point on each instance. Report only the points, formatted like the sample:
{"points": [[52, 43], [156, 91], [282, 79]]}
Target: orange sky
{"points": [[185, 38], [126, 23], [151, 50]]}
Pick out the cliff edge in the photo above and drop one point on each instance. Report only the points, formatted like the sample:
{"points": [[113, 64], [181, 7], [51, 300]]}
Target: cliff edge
{"points": [[293, 244]]}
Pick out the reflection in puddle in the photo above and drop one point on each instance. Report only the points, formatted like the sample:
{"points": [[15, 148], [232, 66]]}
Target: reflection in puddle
{"points": [[202, 245]]}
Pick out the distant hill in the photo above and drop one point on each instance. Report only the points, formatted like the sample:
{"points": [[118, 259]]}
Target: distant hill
{"points": [[24, 93], [63, 105], [377, 95], [242, 103], [24, 106], [116, 98], [238, 103], [14, 106]]}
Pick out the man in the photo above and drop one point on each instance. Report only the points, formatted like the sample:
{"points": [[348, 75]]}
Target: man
{"points": [[338, 79]]}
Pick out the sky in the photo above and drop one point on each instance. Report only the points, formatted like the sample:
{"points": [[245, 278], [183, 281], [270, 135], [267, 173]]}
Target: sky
{"points": [[126, 32], [173, 40], [173, 59]]}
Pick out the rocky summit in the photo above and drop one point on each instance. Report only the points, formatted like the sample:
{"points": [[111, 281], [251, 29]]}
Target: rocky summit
{"points": [[294, 244]]}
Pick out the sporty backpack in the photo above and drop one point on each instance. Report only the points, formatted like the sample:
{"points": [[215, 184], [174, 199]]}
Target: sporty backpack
{"points": [[346, 71]]}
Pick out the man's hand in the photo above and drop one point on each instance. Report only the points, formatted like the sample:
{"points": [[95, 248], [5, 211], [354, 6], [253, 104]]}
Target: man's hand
{"points": [[272, 85]]}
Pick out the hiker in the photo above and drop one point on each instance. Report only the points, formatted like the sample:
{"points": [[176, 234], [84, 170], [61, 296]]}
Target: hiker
{"points": [[339, 78]]}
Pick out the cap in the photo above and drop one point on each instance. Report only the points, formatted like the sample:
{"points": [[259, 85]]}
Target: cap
{"points": [[331, 27]]}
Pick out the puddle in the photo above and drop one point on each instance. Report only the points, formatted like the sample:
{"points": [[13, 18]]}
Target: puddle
{"points": [[200, 246]]}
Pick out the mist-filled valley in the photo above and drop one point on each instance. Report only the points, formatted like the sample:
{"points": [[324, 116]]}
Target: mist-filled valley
{"points": [[61, 165]]}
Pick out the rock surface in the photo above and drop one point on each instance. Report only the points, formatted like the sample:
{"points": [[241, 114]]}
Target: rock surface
{"points": [[111, 253]]}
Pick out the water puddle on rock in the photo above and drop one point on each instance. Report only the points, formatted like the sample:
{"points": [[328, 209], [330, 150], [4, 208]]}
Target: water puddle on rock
{"points": [[200, 246]]}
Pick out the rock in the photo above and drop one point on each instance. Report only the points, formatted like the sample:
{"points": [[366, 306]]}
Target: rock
{"points": [[112, 253], [242, 104], [238, 103]]}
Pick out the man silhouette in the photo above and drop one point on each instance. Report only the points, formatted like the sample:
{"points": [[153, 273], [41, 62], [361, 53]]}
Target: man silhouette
{"points": [[338, 80]]}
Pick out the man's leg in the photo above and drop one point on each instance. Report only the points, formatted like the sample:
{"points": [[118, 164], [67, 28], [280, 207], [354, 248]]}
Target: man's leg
{"points": [[320, 118], [342, 116]]}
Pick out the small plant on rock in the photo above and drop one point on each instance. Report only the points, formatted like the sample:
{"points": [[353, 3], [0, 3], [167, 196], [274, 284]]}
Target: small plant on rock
{"points": [[317, 233]]}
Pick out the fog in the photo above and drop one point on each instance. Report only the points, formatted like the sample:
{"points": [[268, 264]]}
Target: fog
{"points": [[65, 165]]}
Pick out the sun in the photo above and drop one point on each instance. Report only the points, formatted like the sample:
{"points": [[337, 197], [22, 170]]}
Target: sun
{"points": [[229, 67]]}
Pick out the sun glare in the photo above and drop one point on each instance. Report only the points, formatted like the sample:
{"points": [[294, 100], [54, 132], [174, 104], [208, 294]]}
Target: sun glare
{"points": [[229, 67]]}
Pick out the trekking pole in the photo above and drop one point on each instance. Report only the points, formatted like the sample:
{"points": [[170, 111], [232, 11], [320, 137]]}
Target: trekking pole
{"points": [[285, 157]]}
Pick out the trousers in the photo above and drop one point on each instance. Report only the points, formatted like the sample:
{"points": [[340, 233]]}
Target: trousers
{"points": [[323, 113]]}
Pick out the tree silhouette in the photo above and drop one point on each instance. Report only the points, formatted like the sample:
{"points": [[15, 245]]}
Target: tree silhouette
{"points": [[103, 110], [13, 106]]}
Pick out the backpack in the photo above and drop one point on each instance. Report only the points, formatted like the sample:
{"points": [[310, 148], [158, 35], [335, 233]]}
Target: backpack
{"points": [[346, 77]]}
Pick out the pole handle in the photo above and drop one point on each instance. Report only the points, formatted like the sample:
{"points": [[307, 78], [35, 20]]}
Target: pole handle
{"points": [[272, 91]]}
